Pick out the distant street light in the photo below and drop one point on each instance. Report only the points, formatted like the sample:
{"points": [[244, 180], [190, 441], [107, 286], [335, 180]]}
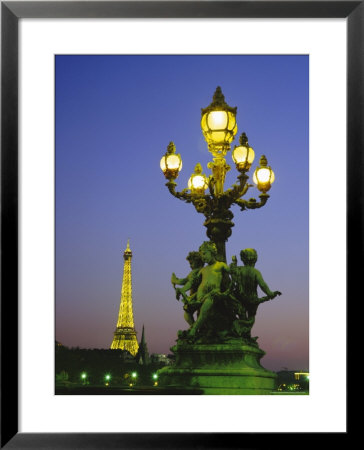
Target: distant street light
{"points": [[84, 377]]}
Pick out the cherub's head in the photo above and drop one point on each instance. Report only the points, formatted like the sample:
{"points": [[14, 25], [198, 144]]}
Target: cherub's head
{"points": [[249, 256], [194, 258], [208, 251]]}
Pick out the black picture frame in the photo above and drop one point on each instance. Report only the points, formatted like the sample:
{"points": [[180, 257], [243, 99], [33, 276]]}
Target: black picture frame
{"points": [[11, 12]]}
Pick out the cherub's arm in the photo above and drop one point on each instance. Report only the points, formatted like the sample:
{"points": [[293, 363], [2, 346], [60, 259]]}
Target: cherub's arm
{"points": [[193, 280], [175, 280], [263, 285], [186, 286], [227, 272]]}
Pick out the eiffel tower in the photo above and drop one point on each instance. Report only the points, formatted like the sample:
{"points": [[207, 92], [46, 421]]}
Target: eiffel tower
{"points": [[125, 335]]}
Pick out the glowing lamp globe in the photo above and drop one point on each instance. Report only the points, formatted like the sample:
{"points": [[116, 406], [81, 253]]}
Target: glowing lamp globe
{"points": [[243, 155], [218, 123], [198, 181], [263, 176], [171, 162]]}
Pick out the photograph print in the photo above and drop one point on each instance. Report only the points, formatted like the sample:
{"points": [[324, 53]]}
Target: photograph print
{"points": [[182, 244]]}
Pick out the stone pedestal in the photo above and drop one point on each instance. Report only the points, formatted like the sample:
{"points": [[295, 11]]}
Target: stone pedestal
{"points": [[226, 369]]}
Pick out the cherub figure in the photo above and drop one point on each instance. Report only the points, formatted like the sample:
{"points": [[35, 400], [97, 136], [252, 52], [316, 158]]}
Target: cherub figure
{"points": [[189, 283], [210, 285], [246, 281]]}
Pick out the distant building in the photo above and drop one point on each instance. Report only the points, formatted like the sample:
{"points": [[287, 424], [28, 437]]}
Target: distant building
{"points": [[296, 380], [299, 375], [160, 358], [142, 356], [126, 356]]}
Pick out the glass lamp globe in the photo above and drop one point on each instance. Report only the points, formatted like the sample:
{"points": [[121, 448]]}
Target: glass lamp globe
{"points": [[171, 162], [263, 176], [198, 181], [218, 122], [243, 155]]}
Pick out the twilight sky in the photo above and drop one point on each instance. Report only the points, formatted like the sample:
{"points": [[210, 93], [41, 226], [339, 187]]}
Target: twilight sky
{"points": [[115, 116]]}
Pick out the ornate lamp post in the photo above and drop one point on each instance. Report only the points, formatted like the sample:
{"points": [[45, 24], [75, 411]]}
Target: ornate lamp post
{"points": [[218, 354], [218, 123]]}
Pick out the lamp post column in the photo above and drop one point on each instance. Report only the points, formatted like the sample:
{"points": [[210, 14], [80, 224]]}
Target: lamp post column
{"points": [[219, 230]]}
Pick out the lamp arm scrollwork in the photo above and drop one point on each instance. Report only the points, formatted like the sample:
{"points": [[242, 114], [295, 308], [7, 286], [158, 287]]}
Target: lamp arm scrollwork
{"points": [[238, 189], [183, 195], [252, 203], [202, 203]]}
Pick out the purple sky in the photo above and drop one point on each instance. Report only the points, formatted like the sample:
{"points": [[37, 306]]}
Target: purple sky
{"points": [[115, 116]]}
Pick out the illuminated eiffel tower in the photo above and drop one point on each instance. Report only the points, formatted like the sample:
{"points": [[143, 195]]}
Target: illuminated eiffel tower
{"points": [[125, 335]]}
